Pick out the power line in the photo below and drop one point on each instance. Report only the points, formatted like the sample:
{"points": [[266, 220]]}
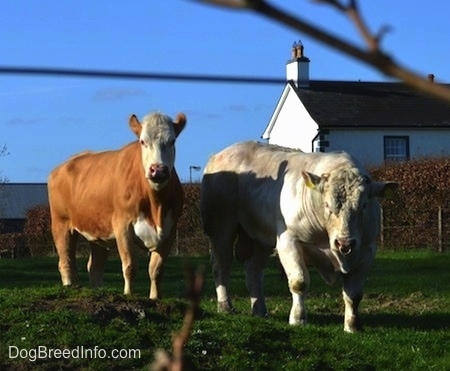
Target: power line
{"points": [[69, 72]]}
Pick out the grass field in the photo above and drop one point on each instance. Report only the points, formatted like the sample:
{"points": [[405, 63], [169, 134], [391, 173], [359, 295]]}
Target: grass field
{"points": [[405, 312]]}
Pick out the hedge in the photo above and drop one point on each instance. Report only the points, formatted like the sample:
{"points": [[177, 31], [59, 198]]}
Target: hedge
{"points": [[416, 216]]}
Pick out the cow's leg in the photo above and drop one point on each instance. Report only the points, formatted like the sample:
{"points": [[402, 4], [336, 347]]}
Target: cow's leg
{"points": [[96, 264], [65, 243], [290, 253], [221, 259], [352, 293], [127, 256], [254, 276], [156, 265], [219, 208], [156, 271]]}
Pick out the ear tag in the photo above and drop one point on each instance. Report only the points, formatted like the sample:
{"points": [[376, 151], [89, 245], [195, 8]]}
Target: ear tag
{"points": [[309, 184]]}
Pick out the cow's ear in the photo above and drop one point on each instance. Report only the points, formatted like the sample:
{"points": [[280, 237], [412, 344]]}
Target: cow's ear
{"points": [[383, 189], [311, 180], [179, 123], [135, 125]]}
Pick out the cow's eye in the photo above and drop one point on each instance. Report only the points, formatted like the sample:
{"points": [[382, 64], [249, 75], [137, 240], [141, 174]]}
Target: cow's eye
{"points": [[142, 142]]}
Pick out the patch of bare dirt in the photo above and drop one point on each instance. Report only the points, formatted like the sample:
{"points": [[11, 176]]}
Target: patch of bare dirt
{"points": [[104, 307], [415, 302]]}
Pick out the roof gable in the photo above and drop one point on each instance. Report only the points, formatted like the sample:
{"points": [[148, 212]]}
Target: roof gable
{"points": [[277, 111]]}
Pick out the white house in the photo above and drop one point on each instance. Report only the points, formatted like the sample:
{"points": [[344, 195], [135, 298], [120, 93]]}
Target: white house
{"points": [[373, 121]]}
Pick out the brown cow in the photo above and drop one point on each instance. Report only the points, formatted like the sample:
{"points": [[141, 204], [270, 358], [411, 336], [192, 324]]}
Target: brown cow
{"points": [[128, 195]]}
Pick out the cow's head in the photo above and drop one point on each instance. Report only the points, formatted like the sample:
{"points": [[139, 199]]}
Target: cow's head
{"points": [[348, 201], [157, 134]]}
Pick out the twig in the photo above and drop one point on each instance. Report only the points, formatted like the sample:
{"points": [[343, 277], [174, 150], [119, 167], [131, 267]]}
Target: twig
{"points": [[373, 57], [179, 340], [355, 16], [163, 361], [227, 3]]}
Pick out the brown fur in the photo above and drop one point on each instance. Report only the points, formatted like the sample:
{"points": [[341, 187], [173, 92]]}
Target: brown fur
{"points": [[87, 196], [101, 195]]}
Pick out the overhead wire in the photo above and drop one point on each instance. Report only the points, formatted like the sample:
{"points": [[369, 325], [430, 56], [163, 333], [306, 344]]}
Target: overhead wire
{"points": [[179, 77]]}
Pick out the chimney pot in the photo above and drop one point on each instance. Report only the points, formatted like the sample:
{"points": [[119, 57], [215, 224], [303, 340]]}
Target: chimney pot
{"points": [[297, 68], [294, 50], [299, 51]]}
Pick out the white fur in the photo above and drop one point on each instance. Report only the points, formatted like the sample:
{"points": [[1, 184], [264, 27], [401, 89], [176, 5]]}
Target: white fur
{"points": [[263, 189], [150, 235], [158, 142]]}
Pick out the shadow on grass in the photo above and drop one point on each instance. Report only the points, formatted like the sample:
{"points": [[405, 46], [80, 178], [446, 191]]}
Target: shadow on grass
{"points": [[424, 322]]}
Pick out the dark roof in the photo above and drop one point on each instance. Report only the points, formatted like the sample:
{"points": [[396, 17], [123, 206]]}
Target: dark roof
{"points": [[372, 104], [17, 198]]}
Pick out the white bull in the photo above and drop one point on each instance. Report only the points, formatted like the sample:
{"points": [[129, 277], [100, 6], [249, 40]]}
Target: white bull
{"points": [[316, 208]]}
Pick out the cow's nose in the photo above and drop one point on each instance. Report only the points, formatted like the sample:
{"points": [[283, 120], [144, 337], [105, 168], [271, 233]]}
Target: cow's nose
{"points": [[345, 245], [159, 172]]}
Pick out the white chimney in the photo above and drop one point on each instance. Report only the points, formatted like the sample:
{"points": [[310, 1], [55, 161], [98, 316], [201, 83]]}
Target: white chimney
{"points": [[297, 68]]}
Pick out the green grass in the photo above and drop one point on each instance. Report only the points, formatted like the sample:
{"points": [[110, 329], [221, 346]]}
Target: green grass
{"points": [[406, 314]]}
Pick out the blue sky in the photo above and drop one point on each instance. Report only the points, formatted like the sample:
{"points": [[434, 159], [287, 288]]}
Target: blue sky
{"points": [[44, 120]]}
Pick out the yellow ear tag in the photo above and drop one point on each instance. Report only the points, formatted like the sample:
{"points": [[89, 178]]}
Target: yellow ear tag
{"points": [[309, 184], [308, 179]]}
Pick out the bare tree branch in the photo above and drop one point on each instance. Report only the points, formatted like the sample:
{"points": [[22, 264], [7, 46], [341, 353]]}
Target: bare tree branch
{"points": [[228, 3], [195, 287], [352, 12], [373, 56], [337, 4], [4, 150], [163, 361]]}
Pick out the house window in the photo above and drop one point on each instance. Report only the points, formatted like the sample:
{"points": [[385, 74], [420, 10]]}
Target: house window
{"points": [[396, 148]]}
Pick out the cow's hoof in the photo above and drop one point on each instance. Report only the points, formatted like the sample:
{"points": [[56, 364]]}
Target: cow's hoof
{"points": [[298, 321], [225, 307], [262, 315], [258, 308], [353, 326], [353, 329]]}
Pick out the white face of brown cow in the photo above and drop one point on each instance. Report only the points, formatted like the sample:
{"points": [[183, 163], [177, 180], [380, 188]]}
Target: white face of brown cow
{"points": [[157, 134], [350, 210]]}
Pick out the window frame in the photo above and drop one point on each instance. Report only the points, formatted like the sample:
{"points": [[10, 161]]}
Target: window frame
{"points": [[390, 158]]}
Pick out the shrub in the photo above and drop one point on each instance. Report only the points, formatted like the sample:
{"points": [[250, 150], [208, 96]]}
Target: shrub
{"points": [[416, 216], [37, 231], [13, 245], [190, 238]]}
